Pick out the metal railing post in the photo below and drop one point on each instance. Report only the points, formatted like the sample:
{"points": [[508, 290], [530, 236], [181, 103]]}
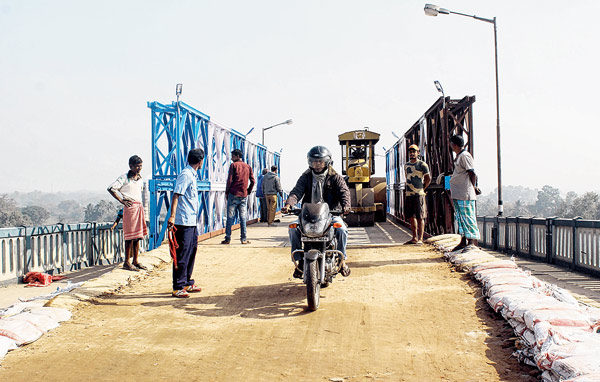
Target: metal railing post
{"points": [[531, 238], [495, 232], [549, 241], [576, 250], [28, 255], [517, 237]]}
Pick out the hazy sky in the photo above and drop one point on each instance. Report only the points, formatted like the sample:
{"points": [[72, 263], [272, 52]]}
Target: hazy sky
{"points": [[75, 77]]}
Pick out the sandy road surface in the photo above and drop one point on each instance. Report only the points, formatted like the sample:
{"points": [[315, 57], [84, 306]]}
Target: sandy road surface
{"points": [[401, 316]]}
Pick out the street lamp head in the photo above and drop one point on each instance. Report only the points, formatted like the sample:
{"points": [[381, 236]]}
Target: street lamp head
{"points": [[439, 87], [289, 122], [178, 89], [434, 10]]}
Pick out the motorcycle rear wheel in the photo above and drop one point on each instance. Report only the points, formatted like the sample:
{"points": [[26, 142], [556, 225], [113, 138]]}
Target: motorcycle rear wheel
{"points": [[313, 286]]}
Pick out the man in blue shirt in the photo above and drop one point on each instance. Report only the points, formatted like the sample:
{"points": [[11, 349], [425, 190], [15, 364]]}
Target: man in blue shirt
{"points": [[184, 220]]}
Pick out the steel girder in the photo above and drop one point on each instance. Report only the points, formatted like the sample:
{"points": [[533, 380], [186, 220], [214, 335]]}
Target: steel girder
{"points": [[178, 128], [431, 133]]}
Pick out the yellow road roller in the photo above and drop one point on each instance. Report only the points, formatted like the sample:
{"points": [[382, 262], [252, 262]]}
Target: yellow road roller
{"points": [[358, 166]]}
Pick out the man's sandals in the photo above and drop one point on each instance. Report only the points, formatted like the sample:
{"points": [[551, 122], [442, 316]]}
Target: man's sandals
{"points": [[185, 292]]}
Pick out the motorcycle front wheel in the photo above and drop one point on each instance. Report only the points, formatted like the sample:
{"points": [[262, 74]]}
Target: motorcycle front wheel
{"points": [[313, 286]]}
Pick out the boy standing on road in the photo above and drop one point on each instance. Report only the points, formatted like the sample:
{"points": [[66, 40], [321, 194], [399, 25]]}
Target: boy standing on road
{"points": [[417, 180], [240, 182], [184, 220], [271, 186]]}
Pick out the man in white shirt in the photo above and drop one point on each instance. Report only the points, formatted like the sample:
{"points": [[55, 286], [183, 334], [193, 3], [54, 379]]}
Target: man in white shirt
{"points": [[464, 193], [127, 189]]}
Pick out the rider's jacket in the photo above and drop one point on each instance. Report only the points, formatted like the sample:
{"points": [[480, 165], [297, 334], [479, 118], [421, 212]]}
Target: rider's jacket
{"points": [[335, 190]]}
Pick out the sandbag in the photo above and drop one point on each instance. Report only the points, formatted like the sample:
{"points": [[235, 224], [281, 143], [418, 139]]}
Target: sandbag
{"points": [[40, 321], [496, 271], [57, 314], [20, 331], [557, 317], [6, 344], [593, 377], [572, 367], [495, 264], [19, 307]]}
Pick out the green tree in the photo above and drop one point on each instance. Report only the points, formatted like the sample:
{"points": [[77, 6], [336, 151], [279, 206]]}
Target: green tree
{"points": [[10, 214], [548, 202], [36, 215], [518, 208], [70, 211], [586, 206], [103, 211], [486, 207]]}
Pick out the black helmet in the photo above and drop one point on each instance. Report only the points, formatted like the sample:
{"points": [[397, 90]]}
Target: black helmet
{"points": [[321, 153]]}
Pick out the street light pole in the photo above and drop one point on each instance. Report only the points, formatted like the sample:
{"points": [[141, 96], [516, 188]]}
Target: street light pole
{"points": [[434, 10], [288, 122]]}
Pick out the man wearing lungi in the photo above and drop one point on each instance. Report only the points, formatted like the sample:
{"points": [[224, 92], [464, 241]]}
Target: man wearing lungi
{"points": [[184, 220], [463, 190], [127, 189]]}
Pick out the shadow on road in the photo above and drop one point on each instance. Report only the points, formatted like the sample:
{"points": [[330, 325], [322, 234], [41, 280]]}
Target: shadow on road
{"points": [[261, 301], [383, 263]]}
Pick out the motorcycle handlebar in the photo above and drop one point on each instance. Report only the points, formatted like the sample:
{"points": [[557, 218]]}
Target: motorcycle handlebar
{"points": [[296, 211]]}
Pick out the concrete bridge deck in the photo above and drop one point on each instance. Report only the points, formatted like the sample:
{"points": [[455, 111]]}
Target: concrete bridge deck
{"points": [[587, 288], [401, 315]]}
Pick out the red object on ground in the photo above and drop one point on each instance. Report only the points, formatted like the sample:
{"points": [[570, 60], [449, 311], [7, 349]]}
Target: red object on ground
{"points": [[173, 245], [39, 279]]}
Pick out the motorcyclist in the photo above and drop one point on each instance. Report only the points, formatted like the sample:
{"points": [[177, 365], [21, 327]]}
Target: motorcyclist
{"points": [[320, 183]]}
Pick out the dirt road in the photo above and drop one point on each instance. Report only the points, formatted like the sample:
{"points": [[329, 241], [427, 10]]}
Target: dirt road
{"points": [[402, 315]]}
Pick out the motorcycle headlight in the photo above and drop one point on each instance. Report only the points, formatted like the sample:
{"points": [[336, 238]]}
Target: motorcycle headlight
{"points": [[314, 229]]}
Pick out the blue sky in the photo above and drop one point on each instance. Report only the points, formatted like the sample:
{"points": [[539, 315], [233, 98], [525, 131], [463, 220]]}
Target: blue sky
{"points": [[75, 77]]}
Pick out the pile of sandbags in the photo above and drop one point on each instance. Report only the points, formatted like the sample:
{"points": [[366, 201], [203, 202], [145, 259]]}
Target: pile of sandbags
{"points": [[556, 333], [23, 323]]}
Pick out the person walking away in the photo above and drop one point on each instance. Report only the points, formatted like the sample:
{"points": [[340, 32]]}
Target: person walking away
{"points": [[127, 189], [240, 182], [261, 196], [417, 180], [464, 193], [320, 183], [184, 220], [271, 186]]}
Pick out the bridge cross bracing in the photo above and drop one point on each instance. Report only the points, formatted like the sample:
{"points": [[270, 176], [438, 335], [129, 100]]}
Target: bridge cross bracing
{"points": [[178, 128]]}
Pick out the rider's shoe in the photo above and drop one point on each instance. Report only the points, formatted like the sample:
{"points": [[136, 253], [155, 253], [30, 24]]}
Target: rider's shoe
{"points": [[297, 274], [345, 271]]}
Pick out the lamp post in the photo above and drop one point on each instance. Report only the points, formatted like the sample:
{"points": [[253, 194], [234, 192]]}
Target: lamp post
{"points": [[440, 89], [288, 122], [434, 10]]}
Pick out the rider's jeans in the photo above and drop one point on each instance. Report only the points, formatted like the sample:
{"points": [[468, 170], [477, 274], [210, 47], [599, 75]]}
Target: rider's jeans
{"points": [[236, 204], [341, 234]]}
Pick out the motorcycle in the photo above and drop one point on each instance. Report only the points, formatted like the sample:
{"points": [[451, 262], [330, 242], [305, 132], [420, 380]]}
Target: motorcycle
{"points": [[318, 260]]}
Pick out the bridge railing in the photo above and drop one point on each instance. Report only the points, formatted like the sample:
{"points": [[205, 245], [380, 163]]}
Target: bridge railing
{"points": [[59, 248], [572, 243]]}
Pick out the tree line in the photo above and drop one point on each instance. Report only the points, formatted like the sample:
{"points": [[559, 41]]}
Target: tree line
{"points": [[66, 211], [548, 202]]}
